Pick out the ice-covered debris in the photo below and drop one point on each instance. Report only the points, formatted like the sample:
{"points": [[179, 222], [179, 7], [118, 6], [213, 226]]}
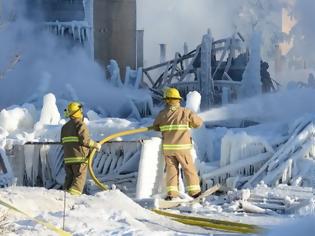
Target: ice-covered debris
{"points": [[241, 145], [49, 113], [286, 163], [193, 100], [285, 155], [245, 194], [114, 71], [308, 209], [3, 135], [17, 118], [133, 77], [6, 174], [251, 208], [38, 165]]}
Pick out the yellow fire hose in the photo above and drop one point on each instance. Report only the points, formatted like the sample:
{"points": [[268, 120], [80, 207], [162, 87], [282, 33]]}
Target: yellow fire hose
{"points": [[228, 226], [190, 220], [48, 225], [107, 139]]}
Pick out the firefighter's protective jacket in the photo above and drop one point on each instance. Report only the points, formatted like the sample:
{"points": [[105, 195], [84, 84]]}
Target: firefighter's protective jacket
{"points": [[175, 122], [76, 141]]}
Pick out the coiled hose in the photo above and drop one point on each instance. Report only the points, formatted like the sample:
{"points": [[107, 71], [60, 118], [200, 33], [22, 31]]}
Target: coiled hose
{"points": [[107, 139]]}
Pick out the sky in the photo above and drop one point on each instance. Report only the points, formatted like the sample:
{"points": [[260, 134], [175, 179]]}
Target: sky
{"points": [[174, 22]]}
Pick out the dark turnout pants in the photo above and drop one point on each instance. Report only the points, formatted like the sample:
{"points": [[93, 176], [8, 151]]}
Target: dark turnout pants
{"points": [[75, 176], [172, 174]]}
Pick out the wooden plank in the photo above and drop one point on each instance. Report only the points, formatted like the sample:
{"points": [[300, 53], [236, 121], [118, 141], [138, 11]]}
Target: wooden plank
{"points": [[163, 204]]}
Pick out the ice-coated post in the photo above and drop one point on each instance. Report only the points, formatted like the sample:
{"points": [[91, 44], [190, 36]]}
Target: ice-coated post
{"points": [[206, 81], [162, 52]]}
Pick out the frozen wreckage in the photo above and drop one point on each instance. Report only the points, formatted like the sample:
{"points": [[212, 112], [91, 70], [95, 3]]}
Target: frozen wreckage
{"points": [[214, 69]]}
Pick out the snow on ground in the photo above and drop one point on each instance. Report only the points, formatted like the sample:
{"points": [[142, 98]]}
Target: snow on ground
{"points": [[106, 213], [304, 226], [113, 213]]}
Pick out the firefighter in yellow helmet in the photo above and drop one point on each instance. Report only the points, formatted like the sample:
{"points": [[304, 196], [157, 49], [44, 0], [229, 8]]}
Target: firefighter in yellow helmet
{"points": [[175, 122], [77, 143]]}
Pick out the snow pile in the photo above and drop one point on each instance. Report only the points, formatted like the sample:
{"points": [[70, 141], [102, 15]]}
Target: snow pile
{"points": [[109, 212], [17, 118]]}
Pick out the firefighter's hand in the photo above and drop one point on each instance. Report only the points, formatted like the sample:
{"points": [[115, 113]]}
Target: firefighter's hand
{"points": [[98, 147]]}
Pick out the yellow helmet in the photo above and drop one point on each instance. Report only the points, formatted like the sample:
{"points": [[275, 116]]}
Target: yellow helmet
{"points": [[172, 93], [74, 110]]}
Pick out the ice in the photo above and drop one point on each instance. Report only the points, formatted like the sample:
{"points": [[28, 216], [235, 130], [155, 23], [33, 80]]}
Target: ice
{"points": [[6, 175], [3, 135], [235, 147], [309, 209], [17, 118], [114, 71], [133, 77], [151, 166], [251, 82], [298, 147], [193, 100], [49, 113]]}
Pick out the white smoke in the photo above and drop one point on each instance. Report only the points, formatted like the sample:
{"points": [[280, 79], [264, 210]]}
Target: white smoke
{"points": [[48, 66], [303, 33]]}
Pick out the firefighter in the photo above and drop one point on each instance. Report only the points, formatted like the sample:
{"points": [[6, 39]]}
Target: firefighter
{"points": [[174, 122], [76, 145]]}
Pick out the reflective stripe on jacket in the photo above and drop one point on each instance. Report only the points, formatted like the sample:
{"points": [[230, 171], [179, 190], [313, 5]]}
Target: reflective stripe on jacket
{"points": [[175, 122], [76, 141]]}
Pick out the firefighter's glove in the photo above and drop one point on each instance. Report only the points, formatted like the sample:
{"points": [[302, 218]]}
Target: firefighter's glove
{"points": [[98, 147]]}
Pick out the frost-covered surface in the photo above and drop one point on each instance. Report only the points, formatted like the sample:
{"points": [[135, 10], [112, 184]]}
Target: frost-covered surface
{"points": [[114, 213], [106, 213]]}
